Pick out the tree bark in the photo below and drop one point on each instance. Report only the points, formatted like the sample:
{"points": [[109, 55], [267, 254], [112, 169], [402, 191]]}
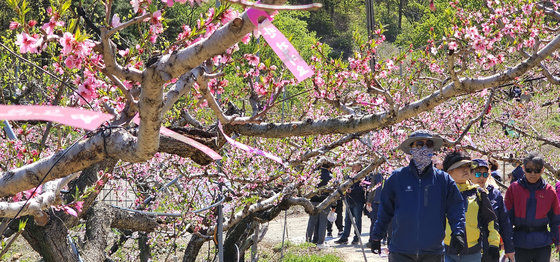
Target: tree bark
{"points": [[97, 226], [236, 236], [193, 248], [144, 247], [50, 241]]}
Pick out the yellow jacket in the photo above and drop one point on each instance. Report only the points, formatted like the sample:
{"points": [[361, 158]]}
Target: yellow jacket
{"points": [[472, 197]]}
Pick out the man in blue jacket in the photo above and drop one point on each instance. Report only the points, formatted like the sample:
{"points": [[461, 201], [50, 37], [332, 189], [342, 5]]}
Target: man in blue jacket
{"points": [[419, 198]]}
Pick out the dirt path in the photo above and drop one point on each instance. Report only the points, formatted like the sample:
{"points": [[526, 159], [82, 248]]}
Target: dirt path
{"points": [[296, 226]]}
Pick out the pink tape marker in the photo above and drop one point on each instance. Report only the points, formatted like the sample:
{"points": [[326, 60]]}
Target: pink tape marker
{"points": [[70, 116], [189, 141], [249, 149], [280, 44]]}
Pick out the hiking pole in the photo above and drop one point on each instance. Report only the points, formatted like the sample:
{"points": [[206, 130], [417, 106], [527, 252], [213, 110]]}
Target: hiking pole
{"points": [[283, 234], [349, 212]]}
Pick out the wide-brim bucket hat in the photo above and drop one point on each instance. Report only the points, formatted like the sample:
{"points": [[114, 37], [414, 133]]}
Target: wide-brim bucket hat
{"points": [[419, 135]]}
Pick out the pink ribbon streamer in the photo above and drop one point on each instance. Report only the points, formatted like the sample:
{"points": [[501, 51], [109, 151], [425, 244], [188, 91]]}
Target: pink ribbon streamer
{"points": [[70, 116], [189, 141], [249, 149], [280, 44]]}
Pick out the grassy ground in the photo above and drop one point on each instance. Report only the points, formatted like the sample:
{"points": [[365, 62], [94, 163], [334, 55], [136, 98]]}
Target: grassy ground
{"points": [[297, 252]]}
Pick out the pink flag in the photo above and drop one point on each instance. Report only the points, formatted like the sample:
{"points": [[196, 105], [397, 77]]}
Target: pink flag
{"points": [[187, 140], [75, 117], [249, 149], [280, 44]]}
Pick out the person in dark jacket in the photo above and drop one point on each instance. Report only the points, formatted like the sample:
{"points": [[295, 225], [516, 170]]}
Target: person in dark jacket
{"points": [[317, 224], [517, 173], [494, 168], [338, 222], [356, 199], [533, 208], [418, 198], [491, 244], [372, 201]]}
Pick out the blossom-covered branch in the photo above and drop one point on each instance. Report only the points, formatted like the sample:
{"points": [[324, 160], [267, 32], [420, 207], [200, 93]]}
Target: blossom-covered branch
{"points": [[353, 124], [37, 204]]}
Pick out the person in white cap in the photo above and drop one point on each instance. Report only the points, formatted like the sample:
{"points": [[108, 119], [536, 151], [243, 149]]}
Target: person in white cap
{"points": [[418, 198]]}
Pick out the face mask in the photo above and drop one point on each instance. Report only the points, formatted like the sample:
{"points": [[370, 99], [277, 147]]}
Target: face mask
{"points": [[422, 157]]}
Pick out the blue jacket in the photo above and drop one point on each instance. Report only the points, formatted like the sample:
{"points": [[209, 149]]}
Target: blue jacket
{"points": [[517, 174], [324, 180], [357, 194], [504, 224], [374, 196], [418, 206]]}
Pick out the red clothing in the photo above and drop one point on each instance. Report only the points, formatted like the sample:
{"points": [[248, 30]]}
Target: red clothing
{"points": [[531, 207]]}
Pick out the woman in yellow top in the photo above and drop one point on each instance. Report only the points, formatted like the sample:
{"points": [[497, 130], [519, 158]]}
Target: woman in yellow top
{"points": [[478, 210]]}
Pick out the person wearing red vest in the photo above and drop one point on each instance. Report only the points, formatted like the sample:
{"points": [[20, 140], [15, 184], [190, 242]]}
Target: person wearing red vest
{"points": [[533, 208]]}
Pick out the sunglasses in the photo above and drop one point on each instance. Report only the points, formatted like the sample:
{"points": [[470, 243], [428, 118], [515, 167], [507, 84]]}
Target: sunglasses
{"points": [[479, 174], [534, 171], [428, 144]]}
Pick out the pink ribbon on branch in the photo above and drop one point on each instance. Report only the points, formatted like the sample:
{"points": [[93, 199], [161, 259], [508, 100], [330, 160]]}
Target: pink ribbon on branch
{"points": [[187, 140], [250, 149], [280, 44], [70, 116]]}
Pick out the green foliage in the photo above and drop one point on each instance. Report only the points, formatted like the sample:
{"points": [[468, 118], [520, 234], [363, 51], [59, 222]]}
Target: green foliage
{"points": [[295, 253], [553, 122]]}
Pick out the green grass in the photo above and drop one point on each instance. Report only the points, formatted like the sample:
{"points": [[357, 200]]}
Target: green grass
{"points": [[290, 257], [295, 253]]}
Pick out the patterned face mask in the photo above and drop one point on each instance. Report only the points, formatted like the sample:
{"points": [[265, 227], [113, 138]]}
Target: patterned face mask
{"points": [[422, 157]]}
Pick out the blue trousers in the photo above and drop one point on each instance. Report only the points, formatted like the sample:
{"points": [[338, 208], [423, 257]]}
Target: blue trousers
{"points": [[356, 209], [476, 257]]}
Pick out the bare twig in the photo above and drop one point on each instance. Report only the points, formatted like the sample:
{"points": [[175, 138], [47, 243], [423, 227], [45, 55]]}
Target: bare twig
{"points": [[233, 120], [128, 23], [449, 143], [324, 149], [537, 137], [111, 63]]}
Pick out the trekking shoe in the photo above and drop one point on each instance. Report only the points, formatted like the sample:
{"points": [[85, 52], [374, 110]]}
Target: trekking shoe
{"points": [[341, 241], [322, 246], [368, 245], [355, 241]]}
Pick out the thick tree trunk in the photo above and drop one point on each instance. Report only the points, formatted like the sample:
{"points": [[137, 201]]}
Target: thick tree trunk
{"points": [[50, 241], [193, 248], [235, 238], [238, 236], [98, 225], [144, 247]]}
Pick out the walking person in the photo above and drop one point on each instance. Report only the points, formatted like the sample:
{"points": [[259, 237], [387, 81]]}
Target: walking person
{"points": [[419, 198], [491, 245], [372, 202], [494, 167], [532, 206], [517, 172], [479, 214], [317, 224], [355, 198], [338, 222]]}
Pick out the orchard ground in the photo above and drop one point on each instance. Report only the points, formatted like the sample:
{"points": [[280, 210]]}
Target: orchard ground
{"points": [[296, 226]]}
